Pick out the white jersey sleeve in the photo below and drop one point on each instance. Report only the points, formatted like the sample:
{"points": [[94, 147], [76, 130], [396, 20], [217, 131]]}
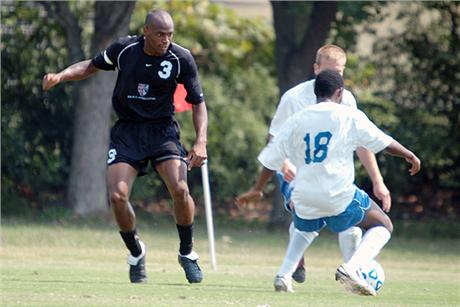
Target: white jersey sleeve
{"points": [[274, 154], [285, 109], [349, 100], [368, 135]]}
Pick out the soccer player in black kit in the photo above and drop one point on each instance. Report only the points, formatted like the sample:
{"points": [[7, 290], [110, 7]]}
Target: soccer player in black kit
{"points": [[149, 68]]}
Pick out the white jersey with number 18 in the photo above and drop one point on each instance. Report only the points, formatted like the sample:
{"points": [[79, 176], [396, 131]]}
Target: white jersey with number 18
{"points": [[319, 141]]}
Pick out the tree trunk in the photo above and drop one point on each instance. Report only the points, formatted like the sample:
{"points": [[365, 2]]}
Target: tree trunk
{"points": [[301, 28], [87, 191]]}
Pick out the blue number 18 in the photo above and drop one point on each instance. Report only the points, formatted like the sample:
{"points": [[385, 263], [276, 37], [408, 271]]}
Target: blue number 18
{"points": [[320, 152]]}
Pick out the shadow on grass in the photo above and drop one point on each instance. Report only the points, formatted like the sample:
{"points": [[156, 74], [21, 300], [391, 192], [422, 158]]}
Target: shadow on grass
{"points": [[219, 286], [167, 284]]}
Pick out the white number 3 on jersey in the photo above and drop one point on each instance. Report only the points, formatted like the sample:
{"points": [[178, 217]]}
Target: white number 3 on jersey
{"points": [[166, 71]]}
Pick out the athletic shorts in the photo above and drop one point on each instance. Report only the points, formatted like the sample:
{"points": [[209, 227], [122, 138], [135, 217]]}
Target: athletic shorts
{"points": [[137, 143], [353, 214], [286, 190]]}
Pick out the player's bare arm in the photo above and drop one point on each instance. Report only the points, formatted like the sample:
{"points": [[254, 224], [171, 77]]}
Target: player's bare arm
{"points": [[396, 149], [380, 190], [77, 71], [256, 191], [198, 154]]}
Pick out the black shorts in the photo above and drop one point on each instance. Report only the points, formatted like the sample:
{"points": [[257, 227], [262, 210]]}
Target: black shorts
{"points": [[137, 143]]}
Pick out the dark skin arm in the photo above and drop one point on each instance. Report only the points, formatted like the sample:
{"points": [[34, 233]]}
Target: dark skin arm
{"points": [[396, 149], [198, 154], [77, 71], [379, 188], [256, 191]]}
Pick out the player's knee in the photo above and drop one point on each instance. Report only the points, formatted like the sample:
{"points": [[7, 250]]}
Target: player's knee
{"points": [[118, 199], [180, 193], [389, 225], [354, 232]]}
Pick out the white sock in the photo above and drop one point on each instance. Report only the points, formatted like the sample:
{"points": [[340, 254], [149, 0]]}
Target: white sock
{"points": [[349, 241], [291, 229], [298, 243], [373, 241]]}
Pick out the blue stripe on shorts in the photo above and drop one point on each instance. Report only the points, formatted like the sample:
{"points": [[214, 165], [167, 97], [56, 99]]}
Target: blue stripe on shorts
{"points": [[353, 214]]}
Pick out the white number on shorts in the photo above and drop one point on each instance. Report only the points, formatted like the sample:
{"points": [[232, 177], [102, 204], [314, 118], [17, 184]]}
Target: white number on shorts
{"points": [[166, 71], [112, 155]]}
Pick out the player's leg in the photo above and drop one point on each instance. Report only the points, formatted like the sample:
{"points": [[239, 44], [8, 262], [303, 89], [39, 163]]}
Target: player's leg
{"points": [[300, 271], [286, 189], [299, 241], [120, 178], [174, 174], [365, 213], [349, 241], [379, 228]]}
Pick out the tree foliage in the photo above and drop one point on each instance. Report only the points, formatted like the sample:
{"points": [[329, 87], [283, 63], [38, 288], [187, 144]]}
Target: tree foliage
{"points": [[413, 90], [36, 138]]}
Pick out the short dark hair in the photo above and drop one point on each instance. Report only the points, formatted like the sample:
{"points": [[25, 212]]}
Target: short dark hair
{"points": [[155, 16], [327, 82]]}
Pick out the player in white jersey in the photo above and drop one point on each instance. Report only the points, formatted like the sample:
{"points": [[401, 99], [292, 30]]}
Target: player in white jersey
{"points": [[320, 141], [296, 99]]}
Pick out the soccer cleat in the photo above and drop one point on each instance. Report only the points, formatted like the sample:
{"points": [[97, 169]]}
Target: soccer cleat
{"points": [[192, 270], [283, 284], [137, 273], [353, 281], [300, 272]]}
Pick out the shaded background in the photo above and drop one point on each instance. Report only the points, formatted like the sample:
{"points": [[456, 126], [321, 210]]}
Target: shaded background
{"points": [[403, 67]]}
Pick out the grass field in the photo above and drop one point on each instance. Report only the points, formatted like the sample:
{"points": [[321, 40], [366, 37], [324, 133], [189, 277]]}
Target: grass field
{"points": [[73, 264]]}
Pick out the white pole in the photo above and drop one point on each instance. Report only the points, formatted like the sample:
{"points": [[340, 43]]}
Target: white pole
{"points": [[208, 209]]}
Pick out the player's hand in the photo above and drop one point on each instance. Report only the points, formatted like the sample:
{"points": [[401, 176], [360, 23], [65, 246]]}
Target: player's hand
{"points": [[414, 161], [50, 80], [383, 194], [197, 155], [248, 197], [288, 170]]}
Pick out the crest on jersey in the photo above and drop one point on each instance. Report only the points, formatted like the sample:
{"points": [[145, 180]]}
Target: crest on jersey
{"points": [[142, 89]]}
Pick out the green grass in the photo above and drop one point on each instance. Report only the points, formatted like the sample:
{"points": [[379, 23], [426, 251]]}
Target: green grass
{"points": [[72, 264]]}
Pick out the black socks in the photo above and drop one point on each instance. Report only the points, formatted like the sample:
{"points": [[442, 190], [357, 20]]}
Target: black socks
{"points": [[132, 242], [185, 235], [186, 239]]}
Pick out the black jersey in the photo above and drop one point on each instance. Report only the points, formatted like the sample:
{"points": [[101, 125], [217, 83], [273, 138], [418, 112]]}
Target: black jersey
{"points": [[146, 84]]}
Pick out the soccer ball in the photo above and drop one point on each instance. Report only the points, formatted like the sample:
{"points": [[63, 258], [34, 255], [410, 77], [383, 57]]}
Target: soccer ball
{"points": [[373, 274]]}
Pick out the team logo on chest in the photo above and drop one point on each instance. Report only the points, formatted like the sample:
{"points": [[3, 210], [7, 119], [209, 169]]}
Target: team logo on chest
{"points": [[142, 89]]}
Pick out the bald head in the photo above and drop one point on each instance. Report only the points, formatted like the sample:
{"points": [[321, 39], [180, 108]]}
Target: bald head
{"points": [[158, 19], [158, 32]]}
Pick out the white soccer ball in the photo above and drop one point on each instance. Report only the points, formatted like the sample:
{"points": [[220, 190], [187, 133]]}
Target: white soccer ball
{"points": [[373, 274]]}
